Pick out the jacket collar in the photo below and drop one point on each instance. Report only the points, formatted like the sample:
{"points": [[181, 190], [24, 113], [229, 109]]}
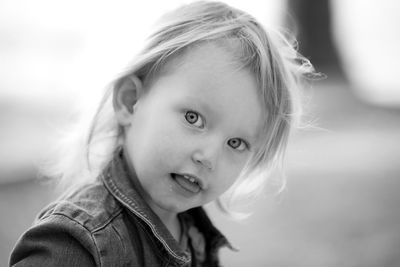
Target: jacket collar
{"points": [[125, 187]]}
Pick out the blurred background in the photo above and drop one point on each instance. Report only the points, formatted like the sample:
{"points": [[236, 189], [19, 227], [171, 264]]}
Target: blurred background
{"points": [[341, 205]]}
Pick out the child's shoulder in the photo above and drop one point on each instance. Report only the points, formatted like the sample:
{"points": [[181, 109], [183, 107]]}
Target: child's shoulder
{"points": [[78, 227], [91, 206]]}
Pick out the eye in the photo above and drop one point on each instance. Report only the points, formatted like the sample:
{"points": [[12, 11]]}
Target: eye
{"points": [[237, 143], [194, 118]]}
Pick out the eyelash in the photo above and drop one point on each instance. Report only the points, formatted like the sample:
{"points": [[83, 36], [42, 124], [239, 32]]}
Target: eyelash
{"points": [[192, 117]]}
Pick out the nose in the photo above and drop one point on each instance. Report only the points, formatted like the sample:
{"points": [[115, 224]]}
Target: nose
{"points": [[206, 157], [200, 160]]}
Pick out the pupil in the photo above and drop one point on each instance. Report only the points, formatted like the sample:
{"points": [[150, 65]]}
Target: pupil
{"points": [[234, 142], [191, 117]]}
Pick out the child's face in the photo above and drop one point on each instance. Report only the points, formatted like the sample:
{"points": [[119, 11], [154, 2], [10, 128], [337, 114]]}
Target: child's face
{"points": [[199, 121]]}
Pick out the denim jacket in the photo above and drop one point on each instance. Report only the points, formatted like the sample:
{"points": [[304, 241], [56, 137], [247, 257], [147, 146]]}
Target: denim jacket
{"points": [[107, 223]]}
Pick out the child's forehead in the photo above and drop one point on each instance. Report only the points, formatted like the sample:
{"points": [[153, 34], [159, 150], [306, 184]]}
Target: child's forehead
{"points": [[215, 56], [208, 64]]}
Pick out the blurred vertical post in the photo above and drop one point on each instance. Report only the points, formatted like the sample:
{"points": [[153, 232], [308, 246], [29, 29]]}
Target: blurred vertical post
{"points": [[310, 20]]}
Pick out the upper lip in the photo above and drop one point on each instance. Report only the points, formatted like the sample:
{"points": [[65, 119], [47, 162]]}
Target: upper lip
{"points": [[197, 179]]}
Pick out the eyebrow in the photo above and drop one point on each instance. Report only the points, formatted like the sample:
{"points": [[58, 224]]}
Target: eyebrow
{"points": [[201, 104]]}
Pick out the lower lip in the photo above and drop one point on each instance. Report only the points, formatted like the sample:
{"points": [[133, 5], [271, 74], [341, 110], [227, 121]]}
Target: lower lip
{"points": [[184, 186]]}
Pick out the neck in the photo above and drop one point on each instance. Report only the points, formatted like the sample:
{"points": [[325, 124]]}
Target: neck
{"points": [[169, 219]]}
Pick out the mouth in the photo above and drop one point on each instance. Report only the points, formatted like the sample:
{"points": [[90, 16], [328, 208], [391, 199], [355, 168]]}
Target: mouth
{"points": [[188, 182]]}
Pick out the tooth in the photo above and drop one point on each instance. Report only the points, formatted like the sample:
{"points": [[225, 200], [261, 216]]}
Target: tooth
{"points": [[192, 179]]}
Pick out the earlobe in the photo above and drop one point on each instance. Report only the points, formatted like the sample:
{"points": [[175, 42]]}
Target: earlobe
{"points": [[125, 95]]}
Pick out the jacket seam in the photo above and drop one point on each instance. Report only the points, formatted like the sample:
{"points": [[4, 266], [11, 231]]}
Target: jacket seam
{"points": [[108, 221], [83, 226], [159, 254]]}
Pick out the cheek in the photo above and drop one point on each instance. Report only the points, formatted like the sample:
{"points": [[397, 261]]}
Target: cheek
{"points": [[229, 173], [165, 144]]}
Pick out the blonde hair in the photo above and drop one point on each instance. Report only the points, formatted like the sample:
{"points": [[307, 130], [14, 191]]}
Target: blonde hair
{"points": [[271, 57]]}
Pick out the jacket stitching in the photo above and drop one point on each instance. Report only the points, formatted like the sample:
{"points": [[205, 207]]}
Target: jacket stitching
{"points": [[120, 239], [157, 252], [106, 222]]}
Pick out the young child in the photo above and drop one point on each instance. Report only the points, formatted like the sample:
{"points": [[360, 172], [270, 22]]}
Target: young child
{"points": [[206, 106]]}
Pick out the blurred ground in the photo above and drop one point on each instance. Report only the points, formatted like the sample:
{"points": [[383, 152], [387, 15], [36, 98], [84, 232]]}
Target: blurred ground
{"points": [[340, 207]]}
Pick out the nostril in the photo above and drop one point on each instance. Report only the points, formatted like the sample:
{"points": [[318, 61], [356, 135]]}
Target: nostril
{"points": [[202, 161], [207, 164]]}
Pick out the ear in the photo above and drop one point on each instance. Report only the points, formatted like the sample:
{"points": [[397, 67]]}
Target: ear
{"points": [[126, 93]]}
